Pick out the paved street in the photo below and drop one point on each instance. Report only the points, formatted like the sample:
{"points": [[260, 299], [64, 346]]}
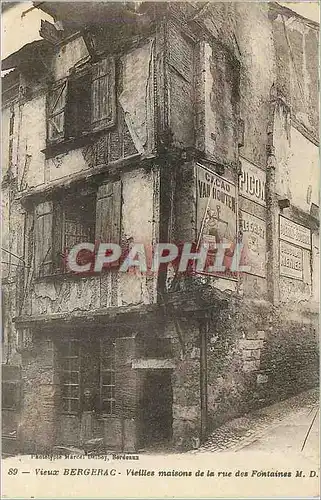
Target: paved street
{"points": [[282, 427]]}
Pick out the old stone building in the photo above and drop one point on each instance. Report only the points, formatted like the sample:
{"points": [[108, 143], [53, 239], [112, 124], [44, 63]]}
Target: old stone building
{"points": [[114, 123]]}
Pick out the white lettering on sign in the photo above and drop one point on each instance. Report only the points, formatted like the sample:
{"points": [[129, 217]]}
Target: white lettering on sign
{"points": [[294, 233], [216, 212], [254, 240], [216, 206], [252, 182], [291, 261]]}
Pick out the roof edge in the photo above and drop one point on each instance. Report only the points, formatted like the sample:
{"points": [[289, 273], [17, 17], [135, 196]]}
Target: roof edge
{"points": [[292, 13]]}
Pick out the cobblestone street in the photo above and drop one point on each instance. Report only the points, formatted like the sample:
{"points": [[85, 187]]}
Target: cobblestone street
{"points": [[282, 427]]}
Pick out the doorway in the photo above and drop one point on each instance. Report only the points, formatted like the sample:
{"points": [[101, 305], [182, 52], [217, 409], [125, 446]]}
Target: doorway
{"points": [[156, 398]]}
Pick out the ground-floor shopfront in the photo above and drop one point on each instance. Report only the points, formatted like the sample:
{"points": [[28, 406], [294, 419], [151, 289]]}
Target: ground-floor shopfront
{"points": [[168, 377]]}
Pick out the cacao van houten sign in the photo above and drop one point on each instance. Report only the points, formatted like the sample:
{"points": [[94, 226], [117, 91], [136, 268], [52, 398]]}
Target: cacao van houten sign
{"points": [[216, 213], [216, 207], [252, 182]]}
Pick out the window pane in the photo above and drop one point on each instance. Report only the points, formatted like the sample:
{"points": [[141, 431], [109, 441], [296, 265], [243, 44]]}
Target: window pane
{"points": [[74, 377], [74, 348], [69, 377], [65, 364], [65, 390], [65, 405], [74, 391], [108, 378], [74, 405], [106, 391], [107, 375], [107, 406], [74, 364]]}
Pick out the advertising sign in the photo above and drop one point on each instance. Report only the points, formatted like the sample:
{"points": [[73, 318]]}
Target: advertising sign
{"points": [[291, 261], [252, 182], [295, 233], [254, 239], [216, 207]]}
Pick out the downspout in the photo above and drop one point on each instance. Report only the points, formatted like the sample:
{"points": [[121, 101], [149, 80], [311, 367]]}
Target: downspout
{"points": [[203, 327], [272, 213]]}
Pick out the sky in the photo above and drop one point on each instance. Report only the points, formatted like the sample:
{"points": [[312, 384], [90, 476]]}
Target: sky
{"points": [[311, 10]]}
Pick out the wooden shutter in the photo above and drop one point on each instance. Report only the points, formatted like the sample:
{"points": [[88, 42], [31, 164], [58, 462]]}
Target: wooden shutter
{"points": [[43, 239], [103, 96], [56, 105], [108, 212], [58, 249], [126, 381]]}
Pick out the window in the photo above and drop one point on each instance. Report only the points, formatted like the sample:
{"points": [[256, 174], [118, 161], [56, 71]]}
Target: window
{"points": [[107, 376], [75, 223], [61, 223], [88, 364], [71, 376], [83, 103]]}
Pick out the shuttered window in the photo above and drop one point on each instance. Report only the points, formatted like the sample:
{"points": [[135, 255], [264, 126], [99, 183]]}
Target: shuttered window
{"points": [[103, 99], [84, 103], [108, 212], [61, 224], [56, 105], [43, 238]]}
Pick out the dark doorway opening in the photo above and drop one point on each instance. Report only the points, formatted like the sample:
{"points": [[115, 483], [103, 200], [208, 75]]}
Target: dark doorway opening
{"points": [[156, 400]]}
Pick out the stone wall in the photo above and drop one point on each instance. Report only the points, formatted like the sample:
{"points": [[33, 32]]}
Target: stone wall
{"points": [[41, 390]]}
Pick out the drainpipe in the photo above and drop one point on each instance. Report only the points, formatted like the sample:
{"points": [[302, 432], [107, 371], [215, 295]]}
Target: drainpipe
{"points": [[272, 226], [203, 377]]}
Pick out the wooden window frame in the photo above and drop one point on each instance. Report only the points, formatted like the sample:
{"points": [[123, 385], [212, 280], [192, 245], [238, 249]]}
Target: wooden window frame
{"points": [[103, 345], [104, 68], [59, 228], [69, 371]]}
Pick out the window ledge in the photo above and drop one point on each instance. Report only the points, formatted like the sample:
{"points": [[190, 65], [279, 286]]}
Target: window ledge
{"points": [[98, 416], [66, 277], [152, 363], [55, 148]]}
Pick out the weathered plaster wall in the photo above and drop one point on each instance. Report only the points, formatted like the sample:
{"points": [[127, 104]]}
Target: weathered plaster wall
{"points": [[297, 175], [5, 139], [13, 267], [70, 54], [31, 140], [258, 72], [221, 103], [297, 71], [137, 96]]}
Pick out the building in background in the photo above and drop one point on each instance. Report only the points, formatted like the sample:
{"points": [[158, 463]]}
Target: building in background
{"points": [[115, 124]]}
